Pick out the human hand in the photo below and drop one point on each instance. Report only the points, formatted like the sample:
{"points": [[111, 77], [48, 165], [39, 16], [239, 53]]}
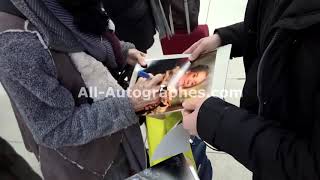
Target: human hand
{"points": [[149, 96], [204, 45], [135, 56], [190, 112]]}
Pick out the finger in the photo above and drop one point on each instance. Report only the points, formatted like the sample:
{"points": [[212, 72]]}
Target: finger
{"points": [[149, 107], [156, 80], [141, 60], [197, 52], [189, 105], [143, 54], [189, 123], [186, 121], [192, 48], [141, 80], [152, 96], [152, 105], [156, 89], [185, 113], [155, 102]]}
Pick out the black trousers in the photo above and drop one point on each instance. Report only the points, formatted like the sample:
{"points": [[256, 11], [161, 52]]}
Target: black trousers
{"points": [[13, 166]]}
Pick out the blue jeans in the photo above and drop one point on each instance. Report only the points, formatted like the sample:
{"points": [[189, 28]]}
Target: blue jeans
{"points": [[203, 163]]}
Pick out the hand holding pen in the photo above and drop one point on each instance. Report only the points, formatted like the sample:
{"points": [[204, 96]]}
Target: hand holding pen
{"points": [[146, 82]]}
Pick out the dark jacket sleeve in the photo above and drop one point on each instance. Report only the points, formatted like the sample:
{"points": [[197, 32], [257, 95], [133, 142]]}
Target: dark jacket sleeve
{"points": [[234, 35], [260, 144]]}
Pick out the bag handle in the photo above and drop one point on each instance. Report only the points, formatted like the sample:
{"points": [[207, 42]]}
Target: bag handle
{"points": [[167, 27], [171, 20], [186, 10]]}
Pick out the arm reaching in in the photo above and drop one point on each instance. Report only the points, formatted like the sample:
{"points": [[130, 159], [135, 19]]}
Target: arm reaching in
{"points": [[233, 34]]}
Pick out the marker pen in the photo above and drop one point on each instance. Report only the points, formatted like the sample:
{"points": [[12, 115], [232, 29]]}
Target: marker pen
{"points": [[143, 74]]}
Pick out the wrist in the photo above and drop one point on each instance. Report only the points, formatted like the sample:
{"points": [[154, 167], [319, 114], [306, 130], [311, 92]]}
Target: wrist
{"points": [[133, 101], [209, 117], [217, 39], [135, 105], [125, 47]]}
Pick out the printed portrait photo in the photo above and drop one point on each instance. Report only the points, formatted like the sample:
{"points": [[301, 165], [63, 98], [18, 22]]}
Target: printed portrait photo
{"points": [[182, 80]]}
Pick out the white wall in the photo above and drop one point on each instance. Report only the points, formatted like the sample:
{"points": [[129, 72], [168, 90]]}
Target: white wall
{"points": [[219, 13]]}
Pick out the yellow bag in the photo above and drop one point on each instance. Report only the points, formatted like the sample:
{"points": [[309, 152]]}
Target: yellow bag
{"points": [[157, 128]]}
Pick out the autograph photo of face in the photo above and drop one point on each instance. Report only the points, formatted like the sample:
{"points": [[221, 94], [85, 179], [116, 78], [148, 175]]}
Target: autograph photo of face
{"points": [[194, 76], [180, 78]]}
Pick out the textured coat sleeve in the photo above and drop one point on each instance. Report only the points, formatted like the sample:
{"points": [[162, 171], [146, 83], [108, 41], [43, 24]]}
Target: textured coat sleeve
{"points": [[28, 74], [125, 46], [234, 35]]}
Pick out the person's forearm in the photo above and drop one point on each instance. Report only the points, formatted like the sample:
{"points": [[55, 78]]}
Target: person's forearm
{"points": [[89, 122], [261, 145], [217, 39]]}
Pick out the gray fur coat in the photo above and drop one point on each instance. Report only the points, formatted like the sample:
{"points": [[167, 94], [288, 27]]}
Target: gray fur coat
{"points": [[28, 73]]}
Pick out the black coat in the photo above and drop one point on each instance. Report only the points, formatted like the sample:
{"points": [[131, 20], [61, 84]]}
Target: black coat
{"points": [[13, 166], [134, 21], [276, 133]]}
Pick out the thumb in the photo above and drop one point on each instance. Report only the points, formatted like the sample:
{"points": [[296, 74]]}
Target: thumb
{"points": [[189, 105], [141, 60], [192, 48], [197, 52], [156, 80]]}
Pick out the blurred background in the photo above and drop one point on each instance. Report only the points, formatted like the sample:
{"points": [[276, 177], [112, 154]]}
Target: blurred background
{"points": [[215, 13]]}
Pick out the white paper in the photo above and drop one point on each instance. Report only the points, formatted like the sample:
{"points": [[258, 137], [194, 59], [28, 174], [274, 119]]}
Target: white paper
{"points": [[174, 143]]}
